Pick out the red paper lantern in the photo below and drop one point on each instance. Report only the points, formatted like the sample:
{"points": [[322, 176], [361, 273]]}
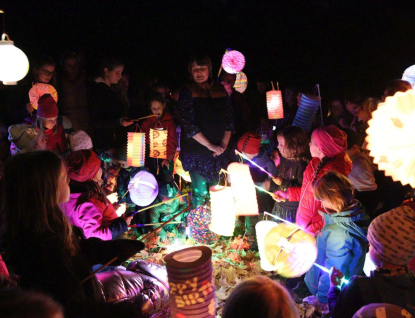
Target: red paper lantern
{"points": [[274, 105]]}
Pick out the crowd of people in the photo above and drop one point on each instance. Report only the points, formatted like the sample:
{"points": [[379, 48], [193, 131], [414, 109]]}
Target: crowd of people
{"points": [[64, 151]]}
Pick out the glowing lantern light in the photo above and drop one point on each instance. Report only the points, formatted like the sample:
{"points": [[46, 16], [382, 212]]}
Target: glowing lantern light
{"points": [[262, 228], [241, 82], [391, 137], [290, 250], [409, 75], [369, 265], [306, 112], [274, 104], [243, 189], [158, 143], [143, 188], [233, 62], [223, 210], [14, 64], [38, 90], [136, 149]]}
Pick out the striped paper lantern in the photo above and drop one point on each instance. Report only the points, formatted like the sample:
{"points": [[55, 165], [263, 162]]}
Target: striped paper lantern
{"points": [[241, 82], [274, 105], [223, 210], [136, 149], [306, 112], [158, 143]]}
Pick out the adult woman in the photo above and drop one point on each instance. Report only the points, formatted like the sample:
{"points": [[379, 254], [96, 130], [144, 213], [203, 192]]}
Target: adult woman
{"points": [[206, 119]]}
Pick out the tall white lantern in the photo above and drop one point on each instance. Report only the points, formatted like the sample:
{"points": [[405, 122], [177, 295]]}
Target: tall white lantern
{"points": [[223, 210]]}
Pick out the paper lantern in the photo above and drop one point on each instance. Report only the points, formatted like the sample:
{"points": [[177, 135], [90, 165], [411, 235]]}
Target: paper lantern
{"points": [[369, 265], [223, 210], [306, 112], [241, 82], [233, 62], [198, 221], [243, 189], [14, 64], [136, 149], [158, 143], [409, 75], [391, 137], [262, 228], [143, 188], [191, 282], [38, 90], [274, 105], [178, 169], [290, 250]]}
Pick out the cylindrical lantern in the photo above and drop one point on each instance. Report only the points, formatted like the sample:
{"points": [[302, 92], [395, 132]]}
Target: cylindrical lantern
{"points": [[223, 210], [14, 64], [233, 62], [262, 228], [241, 82], [274, 105], [143, 188], [136, 149], [391, 137], [158, 143], [306, 112], [38, 90], [191, 283], [243, 189], [199, 220]]}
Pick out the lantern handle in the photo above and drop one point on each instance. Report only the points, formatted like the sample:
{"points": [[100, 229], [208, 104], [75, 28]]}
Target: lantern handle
{"points": [[272, 84]]}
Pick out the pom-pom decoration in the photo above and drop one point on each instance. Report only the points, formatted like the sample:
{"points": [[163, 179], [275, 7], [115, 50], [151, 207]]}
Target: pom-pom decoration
{"points": [[233, 62], [290, 250], [136, 149], [241, 82], [38, 90], [223, 210], [409, 75], [199, 220], [243, 189], [274, 105], [262, 228], [143, 188], [306, 112], [158, 143], [391, 137]]}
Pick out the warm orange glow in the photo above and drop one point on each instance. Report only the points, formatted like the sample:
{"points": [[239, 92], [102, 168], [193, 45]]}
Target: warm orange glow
{"points": [[158, 143], [274, 105], [223, 210], [136, 148]]}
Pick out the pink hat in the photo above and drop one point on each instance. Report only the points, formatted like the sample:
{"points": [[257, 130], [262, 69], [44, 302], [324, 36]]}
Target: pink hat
{"points": [[330, 140]]}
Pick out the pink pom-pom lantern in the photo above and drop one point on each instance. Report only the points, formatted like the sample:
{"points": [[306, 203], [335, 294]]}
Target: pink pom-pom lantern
{"points": [[274, 104], [233, 62]]}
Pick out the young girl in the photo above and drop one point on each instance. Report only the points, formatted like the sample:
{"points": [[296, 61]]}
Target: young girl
{"points": [[342, 241], [293, 147], [327, 147]]}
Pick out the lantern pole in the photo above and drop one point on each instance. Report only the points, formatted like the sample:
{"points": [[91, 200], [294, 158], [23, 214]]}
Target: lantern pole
{"points": [[272, 84], [105, 265], [143, 118], [319, 99], [151, 224], [262, 169], [154, 205], [220, 69]]}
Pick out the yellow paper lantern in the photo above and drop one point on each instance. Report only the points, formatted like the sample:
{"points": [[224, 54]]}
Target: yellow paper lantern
{"points": [[262, 228], [274, 105], [14, 64], [223, 210], [391, 137], [136, 149], [158, 143], [243, 189]]}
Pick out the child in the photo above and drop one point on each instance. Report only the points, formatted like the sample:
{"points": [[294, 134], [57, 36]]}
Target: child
{"points": [[391, 239], [293, 147], [26, 138], [342, 241]]}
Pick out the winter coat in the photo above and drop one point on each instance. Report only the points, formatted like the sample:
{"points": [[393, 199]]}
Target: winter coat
{"points": [[342, 243], [307, 213], [56, 141], [94, 217]]}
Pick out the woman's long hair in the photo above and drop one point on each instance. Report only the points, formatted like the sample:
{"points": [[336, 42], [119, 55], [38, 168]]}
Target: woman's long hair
{"points": [[29, 204]]}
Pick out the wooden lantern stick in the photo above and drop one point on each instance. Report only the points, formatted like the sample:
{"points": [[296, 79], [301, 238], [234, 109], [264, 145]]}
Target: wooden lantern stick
{"points": [[128, 190], [143, 117], [151, 224], [157, 204], [105, 265], [220, 69], [278, 86], [272, 84]]}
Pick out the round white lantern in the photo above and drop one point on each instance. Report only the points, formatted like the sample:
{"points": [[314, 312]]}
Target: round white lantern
{"points": [[14, 64]]}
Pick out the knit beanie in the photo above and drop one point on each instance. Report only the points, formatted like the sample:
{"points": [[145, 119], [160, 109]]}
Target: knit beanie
{"points": [[330, 140], [392, 235], [40, 89], [380, 310], [23, 136], [83, 165], [249, 143], [47, 107], [80, 140]]}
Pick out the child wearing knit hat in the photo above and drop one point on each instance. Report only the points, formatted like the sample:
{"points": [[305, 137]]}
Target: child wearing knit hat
{"points": [[26, 138], [392, 246]]}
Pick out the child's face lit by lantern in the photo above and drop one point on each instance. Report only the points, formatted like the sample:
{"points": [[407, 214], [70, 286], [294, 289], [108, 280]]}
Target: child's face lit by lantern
{"points": [[157, 108], [45, 73], [115, 75], [49, 123], [41, 142], [282, 147], [200, 73], [314, 149]]}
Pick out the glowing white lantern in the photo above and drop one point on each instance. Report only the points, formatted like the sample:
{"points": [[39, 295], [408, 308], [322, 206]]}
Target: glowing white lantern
{"points": [[136, 149], [274, 105], [262, 228], [369, 265], [14, 64], [158, 143], [223, 210]]}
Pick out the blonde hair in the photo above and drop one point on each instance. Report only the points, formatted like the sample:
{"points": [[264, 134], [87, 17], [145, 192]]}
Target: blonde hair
{"points": [[370, 105], [334, 188]]}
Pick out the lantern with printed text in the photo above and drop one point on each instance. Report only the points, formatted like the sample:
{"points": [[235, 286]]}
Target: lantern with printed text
{"points": [[136, 149], [274, 104], [223, 210], [233, 62], [243, 189], [241, 82], [158, 143], [306, 112], [391, 137]]}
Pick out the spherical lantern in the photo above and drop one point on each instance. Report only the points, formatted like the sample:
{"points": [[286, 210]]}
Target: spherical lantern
{"points": [[262, 228], [143, 188], [223, 210], [306, 112], [391, 137], [14, 64], [158, 143], [241, 82], [136, 149], [38, 90], [233, 62], [409, 75], [290, 250], [274, 105], [243, 189]]}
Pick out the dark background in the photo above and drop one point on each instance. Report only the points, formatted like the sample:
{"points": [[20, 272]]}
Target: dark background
{"points": [[338, 44]]}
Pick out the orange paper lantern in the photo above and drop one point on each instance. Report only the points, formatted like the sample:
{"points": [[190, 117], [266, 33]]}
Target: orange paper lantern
{"points": [[223, 210], [274, 105], [243, 189], [158, 143], [136, 148]]}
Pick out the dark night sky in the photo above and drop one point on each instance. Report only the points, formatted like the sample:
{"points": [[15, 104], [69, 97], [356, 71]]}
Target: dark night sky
{"points": [[335, 43]]}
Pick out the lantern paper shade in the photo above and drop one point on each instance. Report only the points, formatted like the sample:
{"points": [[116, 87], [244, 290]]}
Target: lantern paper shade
{"points": [[178, 169], [136, 148], [274, 105], [14, 64], [38, 90], [143, 188], [409, 75], [233, 62], [306, 112], [243, 189], [262, 228], [199, 220], [223, 210], [158, 143], [391, 137], [241, 82], [290, 250]]}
